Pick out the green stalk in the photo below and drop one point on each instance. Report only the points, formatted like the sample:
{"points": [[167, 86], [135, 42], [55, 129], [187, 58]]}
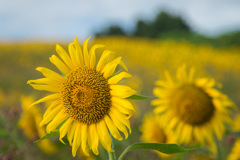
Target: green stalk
{"points": [[112, 155], [220, 154]]}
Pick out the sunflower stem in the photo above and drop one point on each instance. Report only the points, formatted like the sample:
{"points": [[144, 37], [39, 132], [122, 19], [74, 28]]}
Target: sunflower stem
{"points": [[220, 155], [112, 155]]}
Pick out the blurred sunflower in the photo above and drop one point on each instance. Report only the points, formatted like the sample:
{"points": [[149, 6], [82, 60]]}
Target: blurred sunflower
{"points": [[154, 132], [29, 122], [235, 154], [236, 123], [87, 100], [192, 107]]}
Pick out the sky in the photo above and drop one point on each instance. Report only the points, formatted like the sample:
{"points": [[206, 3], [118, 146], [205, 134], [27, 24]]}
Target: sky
{"points": [[64, 19]]}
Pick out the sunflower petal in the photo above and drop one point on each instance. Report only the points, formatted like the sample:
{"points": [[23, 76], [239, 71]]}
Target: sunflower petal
{"points": [[85, 52], [47, 98], [121, 91], [92, 54], [115, 79], [59, 64], [65, 57], [79, 55], [58, 119], [103, 59], [123, 102], [77, 139], [109, 69], [104, 136], [112, 128], [84, 139], [73, 54], [50, 74], [93, 138], [64, 129], [71, 132], [50, 114]]}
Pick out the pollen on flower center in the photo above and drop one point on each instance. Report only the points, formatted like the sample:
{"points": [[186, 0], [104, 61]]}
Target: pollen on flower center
{"points": [[86, 95], [193, 105]]}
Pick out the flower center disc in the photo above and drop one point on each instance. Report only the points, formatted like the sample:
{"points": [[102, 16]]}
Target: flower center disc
{"points": [[86, 95], [193, 105], [158, 135]]}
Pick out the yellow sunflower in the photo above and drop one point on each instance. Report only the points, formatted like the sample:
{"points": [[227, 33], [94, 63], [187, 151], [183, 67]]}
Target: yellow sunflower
{"points": [[235, 154], [154, 132], [193, 108], [29, 122], [87, 97]]}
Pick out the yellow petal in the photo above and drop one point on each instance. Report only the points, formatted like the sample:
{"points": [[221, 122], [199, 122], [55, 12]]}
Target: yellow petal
{"points": [[109, 68], [59, 64], [50, 97], [93, 138], [123, 110], [58, 119], [103, 59], [119, 124], [45, 81], [92, 54], [115, 79], [123, 102], [71, 132], [50, 114], [104, 136], [77, 139], [50, 88], [169, 78], [50, 74], [85, 52], [84, 139], [112, 128], [121, 91], [121, 117], [64, 129], [123, 65], [79, 55], [65, 57], [73, 54]]}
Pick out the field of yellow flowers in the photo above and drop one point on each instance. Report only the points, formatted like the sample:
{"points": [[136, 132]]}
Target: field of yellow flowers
{"points": [[146, 60]]}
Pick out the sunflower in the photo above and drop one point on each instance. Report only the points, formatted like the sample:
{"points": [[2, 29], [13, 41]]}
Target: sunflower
{"points": [[193, 108], [29, 122], [154, 132], [235, 154], [88, 103]]}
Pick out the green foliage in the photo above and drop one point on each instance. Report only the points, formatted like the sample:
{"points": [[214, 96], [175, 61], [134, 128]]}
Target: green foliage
{"points": [[111, 30], [163, 23], [162, 147], [48, 135], [139, 97]]}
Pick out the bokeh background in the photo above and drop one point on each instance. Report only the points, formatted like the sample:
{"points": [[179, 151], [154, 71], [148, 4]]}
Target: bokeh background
{"points": [[151, 36]]}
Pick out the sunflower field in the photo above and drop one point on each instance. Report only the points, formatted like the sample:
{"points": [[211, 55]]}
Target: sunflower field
{"points": [[192, 100]]}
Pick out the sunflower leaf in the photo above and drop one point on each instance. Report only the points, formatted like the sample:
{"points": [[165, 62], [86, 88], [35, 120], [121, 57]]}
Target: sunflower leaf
{"points": [[162, 147], [51, 134], [47, 136], [139, 97]]}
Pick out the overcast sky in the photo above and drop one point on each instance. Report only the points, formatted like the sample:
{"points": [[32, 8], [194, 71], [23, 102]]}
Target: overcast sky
{"points": [[63, 19]]}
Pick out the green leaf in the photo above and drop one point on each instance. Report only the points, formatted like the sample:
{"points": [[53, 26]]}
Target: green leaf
{"points": [[51, 134], [162, 147], [47, 136], [139, 97]]}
